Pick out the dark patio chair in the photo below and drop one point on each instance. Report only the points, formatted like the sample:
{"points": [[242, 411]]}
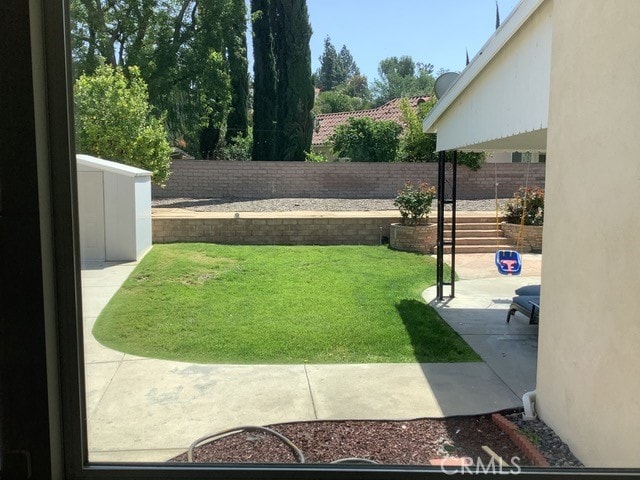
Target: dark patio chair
{"points": [[527, 302]]}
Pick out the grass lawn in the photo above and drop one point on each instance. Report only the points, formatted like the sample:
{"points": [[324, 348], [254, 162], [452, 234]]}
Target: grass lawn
{"points": [[276, 304]]}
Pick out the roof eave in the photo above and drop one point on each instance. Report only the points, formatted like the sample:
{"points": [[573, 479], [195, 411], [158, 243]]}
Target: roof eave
{"points": [[491, 48]]}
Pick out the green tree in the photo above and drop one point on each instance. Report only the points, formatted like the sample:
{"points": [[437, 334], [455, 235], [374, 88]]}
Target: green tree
{"points": [[331, 72], [402, 77], [357, 87], [417, 146], [283, 122], [347, 63], [264, 82], [296, 93], [367, 140], [114, 121], [191, 54], [338, 71], [235, 40], [336, 101]]}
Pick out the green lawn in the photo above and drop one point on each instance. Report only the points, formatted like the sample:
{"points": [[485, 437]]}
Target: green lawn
{"points": [[275, 304]]}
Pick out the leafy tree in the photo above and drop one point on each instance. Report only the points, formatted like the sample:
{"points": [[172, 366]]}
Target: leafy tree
{"points": [[235, 40], [402, 77], [367, 140], [238, 149], [191, 54], [114, 121], [336, 101], [416, 146], [473, 160], [357, 86]]}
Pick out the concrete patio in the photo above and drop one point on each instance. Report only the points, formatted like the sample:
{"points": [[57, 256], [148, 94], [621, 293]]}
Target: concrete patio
{"points": [[148, 410]]}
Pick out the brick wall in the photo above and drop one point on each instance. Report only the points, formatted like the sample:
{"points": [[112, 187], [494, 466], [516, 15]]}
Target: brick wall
{"points": [[274, 231], [531, 235], [213, 179]]}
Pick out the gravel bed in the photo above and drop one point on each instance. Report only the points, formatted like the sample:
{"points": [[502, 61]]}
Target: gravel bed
{"points": [[412, 442], [304, 204], [550, 445]]}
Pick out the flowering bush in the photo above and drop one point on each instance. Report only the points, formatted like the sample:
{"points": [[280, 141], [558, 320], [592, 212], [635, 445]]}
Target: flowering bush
{"points": [[415, 202], [529, 198]]}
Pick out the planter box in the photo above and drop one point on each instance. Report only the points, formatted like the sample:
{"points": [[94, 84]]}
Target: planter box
{"points": [[531, 235], [413, 238]]}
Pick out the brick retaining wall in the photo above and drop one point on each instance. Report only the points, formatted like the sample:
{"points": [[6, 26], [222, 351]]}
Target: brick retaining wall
{"points": [[274, 231], [531, 235], [214, 179]]}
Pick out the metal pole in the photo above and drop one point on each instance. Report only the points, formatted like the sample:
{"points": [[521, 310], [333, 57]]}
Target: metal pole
{"points": [[440, 229], [454, 194]]}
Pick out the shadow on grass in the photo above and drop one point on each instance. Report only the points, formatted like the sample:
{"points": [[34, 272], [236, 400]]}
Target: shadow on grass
{"points": [[431, 338]]}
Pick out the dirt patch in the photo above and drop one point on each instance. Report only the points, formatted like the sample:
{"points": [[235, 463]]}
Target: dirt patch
{"points": [[413, 442]]}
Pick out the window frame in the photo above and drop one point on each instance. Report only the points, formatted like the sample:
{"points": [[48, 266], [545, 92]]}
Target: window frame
{"points": [[65, 365]]}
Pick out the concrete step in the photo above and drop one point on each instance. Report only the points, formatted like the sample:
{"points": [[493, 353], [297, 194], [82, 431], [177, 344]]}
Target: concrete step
{"points": [[462, 249], [471, 226], [484, 241], [475, 233], [473, 219]]}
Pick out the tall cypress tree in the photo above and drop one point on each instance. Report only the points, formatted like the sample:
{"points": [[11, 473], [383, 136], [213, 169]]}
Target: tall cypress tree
{"points": [[264, 82], [283, 87], [236, 43], [292, 34]]}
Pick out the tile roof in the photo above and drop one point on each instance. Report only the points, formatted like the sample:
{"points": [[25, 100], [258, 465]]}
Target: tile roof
{"points": [[328, 122]]}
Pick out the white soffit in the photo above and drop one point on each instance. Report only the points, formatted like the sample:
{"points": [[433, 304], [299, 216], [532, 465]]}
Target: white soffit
{"points": [[501, 100]]}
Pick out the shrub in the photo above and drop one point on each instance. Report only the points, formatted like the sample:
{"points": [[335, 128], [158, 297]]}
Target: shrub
{"points": [[529, 199], [367, 140], [315, 157], [414, 203], [114, 121], [238, 149]]}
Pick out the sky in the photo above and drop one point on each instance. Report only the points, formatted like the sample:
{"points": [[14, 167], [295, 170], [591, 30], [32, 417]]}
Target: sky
{"points": [[430, 31]]}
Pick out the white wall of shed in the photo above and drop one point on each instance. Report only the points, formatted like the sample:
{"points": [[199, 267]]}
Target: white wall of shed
{"points": [[143, 216]]}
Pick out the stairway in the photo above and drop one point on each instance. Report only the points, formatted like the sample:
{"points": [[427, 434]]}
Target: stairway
{"points": [[477, 234]]}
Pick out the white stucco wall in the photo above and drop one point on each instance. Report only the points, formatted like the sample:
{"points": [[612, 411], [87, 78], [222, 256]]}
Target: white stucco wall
{"points": [[589, 347]]}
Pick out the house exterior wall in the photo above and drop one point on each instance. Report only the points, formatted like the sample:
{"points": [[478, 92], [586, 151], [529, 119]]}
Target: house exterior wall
{"points": [[588, 362], [510, 96]]}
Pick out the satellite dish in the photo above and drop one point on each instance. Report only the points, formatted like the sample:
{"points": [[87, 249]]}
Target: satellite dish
{"points": [[444, 82]]}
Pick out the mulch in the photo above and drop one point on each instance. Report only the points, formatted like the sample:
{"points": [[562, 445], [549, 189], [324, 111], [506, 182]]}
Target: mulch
{"points": [[413, 442]]}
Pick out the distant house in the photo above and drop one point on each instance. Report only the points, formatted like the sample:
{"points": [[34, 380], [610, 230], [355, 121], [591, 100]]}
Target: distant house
{"points": [[328, 122]]}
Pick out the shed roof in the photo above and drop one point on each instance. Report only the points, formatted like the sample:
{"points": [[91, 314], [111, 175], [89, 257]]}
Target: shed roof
{"points": [[328, 122], [85, 162]]}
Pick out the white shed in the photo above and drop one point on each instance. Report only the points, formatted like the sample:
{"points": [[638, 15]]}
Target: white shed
{"points": [[114, 204]]}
